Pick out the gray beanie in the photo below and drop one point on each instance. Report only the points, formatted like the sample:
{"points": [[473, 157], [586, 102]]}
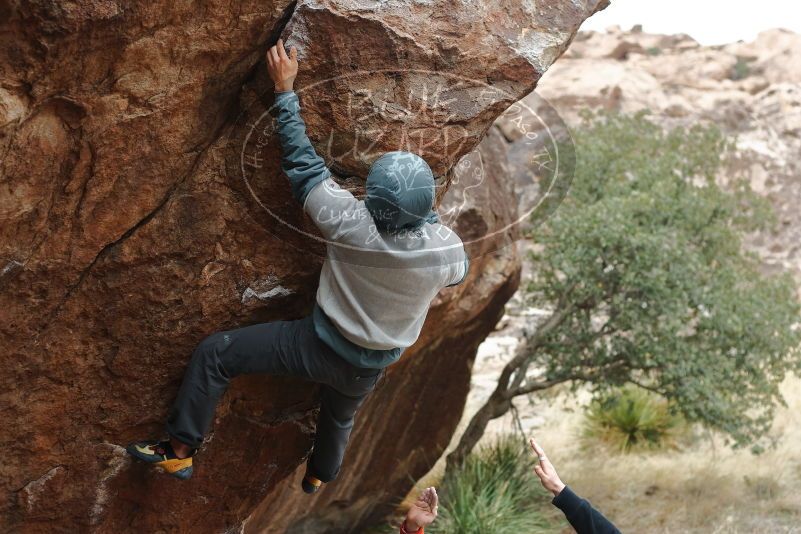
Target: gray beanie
{"points": [[400, 191]]}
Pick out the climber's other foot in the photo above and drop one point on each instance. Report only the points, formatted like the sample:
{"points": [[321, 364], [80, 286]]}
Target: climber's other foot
{"points": [[161, 455], [310, 484]]}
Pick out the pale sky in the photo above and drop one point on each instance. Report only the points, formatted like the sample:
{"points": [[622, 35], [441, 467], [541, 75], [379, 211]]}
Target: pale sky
{"points": [[709, 22]]}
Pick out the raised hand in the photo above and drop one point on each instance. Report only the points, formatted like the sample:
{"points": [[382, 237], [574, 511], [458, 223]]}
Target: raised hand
{"points": [[282, 67], [546, 471], [423, 511]]}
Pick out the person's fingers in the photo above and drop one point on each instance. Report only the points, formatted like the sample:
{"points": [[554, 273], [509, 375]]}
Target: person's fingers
{"points": [[273, 55], [293, 53], [435, 498], [539, 471], [431, 498], [537, 449], [281, 50], [269, 57]]}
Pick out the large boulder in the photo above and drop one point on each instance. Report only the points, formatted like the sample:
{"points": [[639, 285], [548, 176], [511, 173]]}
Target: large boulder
{"points": [[437, 72], [774, 54], [140, 211]]}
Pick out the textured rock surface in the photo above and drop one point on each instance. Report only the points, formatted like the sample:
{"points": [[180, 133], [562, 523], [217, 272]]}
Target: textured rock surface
{"points": [[438, 72], [127, 234]]}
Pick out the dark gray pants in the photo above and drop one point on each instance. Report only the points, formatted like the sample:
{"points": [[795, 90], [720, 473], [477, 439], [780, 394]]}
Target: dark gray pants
{"points": [[280, 348]]}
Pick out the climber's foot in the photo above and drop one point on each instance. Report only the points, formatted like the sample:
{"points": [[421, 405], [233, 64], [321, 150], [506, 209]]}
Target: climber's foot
{"points": [[310, 484], [162, 455]]}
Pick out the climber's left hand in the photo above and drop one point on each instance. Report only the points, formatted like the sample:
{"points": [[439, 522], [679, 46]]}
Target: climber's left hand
{"points": [[283, 68]]}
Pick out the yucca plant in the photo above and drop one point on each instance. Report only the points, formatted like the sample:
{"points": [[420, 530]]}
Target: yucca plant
{"points": [[632, 419], [494, 491]]}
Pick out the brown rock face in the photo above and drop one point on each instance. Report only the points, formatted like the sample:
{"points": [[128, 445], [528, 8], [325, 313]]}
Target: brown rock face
{"points": [[437, 72], [133, 223]]}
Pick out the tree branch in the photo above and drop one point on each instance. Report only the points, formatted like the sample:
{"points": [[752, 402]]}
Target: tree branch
{"points": [[538, 386], [545, 384], [531, 342], [520, 375], [647, 388]]}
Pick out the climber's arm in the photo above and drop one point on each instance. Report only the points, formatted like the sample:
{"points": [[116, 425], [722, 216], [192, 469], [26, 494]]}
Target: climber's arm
{"points": [[334, 210], [304, 168], [458, 263], [459, 272]]}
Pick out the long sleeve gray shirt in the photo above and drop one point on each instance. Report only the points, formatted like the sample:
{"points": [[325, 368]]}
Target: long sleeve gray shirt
{"points": [[375, 286]]}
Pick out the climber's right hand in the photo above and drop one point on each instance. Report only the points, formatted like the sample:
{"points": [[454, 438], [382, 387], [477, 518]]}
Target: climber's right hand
{"points": [[282, 67]]}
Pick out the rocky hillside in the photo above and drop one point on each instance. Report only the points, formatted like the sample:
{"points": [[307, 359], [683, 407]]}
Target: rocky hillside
{"points": [[142, 208], [750, 90]]}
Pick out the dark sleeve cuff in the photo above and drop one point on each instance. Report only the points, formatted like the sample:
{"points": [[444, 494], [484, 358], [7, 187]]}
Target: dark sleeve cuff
{"points": [[567, 501]]}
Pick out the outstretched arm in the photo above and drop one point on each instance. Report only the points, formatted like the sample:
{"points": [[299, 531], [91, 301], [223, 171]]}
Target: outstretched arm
{"points": [[579, 512], [330, 207], [304, 168]]}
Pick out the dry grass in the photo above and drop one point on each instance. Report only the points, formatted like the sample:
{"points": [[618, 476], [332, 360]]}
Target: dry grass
{"points": [[705, 487]]}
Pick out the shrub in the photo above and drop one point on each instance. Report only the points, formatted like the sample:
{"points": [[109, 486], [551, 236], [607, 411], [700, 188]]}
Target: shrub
{"points": [[653, 51], [631, 419], [494, 491], [740, 70]]}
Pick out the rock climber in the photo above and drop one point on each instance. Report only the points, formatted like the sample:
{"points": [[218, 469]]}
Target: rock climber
{"points": [[387, 257]]}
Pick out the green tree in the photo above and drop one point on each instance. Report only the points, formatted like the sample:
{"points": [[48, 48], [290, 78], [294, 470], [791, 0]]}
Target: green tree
{"points": [[647, 283]]}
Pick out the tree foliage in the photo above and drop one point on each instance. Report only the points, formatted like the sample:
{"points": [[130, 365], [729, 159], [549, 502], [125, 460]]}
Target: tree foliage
{"points": [[644, 263], [644, 273]]}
